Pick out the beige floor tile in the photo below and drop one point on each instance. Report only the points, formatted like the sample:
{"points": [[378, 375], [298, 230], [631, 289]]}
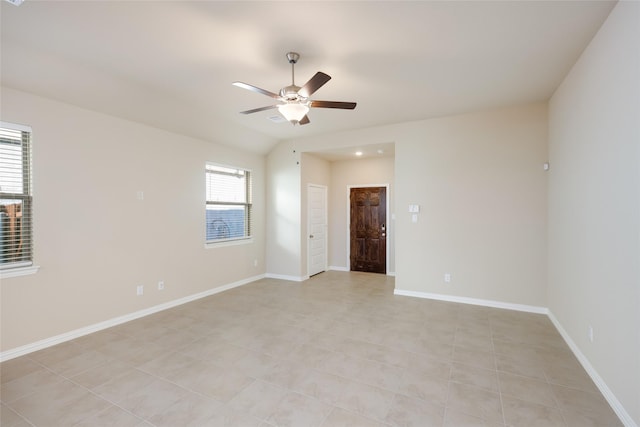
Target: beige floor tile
{"points": [[168, 365], [286, 373], [581, 406], [520, 413], [342, 418], [327, 388], [569, 375], [60, 404], [113, 416], [338, 349], [9, 418], [213, 349], [254, 364], [454, 418], [528, 389], [143, 395], [366, 400], [423, 387], [472, 375], [469, 340], [222, 384], [258, 399], [74, 364], [191, 410], [121, 386], [341, 364], [475, 401], [102, 374], [419, 364], [380, 375], [16, 368], [308, 354], [28, 384], [409, 412], [98, 339], [531, 368], [479, 359], [299, 411]]}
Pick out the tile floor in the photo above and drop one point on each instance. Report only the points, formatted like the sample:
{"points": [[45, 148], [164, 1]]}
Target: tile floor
{"points": [[337, 350]]}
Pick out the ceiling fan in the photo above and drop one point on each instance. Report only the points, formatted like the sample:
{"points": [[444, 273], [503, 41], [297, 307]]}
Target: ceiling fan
{"points": [[294, 100]]}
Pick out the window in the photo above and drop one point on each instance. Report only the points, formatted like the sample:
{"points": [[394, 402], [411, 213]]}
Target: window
{"points": [[228, 203], [16, 243]]}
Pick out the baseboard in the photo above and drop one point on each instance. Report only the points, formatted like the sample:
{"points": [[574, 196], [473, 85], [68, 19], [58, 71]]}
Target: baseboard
{"points": [[77, 333], [286, 277], [597, 379], [391, 273], [474, 301]]}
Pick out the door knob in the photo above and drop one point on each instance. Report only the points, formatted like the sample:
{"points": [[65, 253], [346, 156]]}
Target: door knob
{"points": [[311, 236]]}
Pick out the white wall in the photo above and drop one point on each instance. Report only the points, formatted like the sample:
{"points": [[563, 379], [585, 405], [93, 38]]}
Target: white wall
{"points": [[94, 241], [594, 204], [480, 182], [481, 187], [283, 250], [347, 173]]}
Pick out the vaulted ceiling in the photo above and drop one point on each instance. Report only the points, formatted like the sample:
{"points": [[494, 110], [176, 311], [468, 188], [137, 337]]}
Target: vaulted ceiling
{"points": [[170, 64]]}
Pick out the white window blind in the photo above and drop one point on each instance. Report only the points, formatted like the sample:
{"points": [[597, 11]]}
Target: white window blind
{"points": [[228, 206], [16, 217]]}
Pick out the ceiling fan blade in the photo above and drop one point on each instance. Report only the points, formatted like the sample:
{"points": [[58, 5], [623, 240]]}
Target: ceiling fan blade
{"points": [[255, 110], [305, 120], [314, 84], [256, 89], [333, 104]]}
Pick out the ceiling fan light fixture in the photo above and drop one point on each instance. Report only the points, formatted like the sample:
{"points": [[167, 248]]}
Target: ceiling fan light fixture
{"points": [[293, 111]]}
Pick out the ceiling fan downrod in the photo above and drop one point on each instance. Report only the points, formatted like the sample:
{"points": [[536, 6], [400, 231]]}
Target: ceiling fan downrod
{"points": [[293, 57]]}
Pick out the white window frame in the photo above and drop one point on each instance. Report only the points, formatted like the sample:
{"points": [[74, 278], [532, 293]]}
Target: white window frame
{"points": [[25, 267], [248, 205]]}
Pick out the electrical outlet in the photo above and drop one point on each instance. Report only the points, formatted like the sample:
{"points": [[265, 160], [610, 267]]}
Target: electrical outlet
{"points": [[140, 290], [447, 277], [590, 333], [160, 285], [255, 262]]}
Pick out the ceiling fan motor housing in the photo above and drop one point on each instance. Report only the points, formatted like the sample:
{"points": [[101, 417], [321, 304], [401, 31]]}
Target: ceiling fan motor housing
{"points": [[290, 93]]}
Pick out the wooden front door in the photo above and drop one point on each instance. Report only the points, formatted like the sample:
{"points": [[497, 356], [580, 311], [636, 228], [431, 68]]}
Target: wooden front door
{"points": [[368, 229]]}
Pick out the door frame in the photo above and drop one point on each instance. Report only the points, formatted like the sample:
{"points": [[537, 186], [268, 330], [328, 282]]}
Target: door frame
{"points": [[349, 187], [326, 228]]}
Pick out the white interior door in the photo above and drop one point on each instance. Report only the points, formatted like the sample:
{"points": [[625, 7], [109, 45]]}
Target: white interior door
{"points": [[317, 228]]}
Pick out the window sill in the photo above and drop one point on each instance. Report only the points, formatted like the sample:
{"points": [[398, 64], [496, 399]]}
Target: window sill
{"points": [[236, 242], [19, 271]]}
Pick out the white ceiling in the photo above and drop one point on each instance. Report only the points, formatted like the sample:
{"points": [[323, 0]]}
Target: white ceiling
{"points": [[171, 64]]}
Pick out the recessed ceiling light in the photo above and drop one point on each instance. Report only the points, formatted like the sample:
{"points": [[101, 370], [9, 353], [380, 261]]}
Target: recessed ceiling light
{"points": [[380, 151], [358, 153]]}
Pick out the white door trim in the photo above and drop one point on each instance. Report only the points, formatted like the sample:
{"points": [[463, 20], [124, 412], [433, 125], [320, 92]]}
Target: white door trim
{"points": [[349, 187]]}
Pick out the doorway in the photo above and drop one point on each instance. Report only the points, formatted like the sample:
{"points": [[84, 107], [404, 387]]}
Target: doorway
{"points": [[368, 229], [317, 228]]}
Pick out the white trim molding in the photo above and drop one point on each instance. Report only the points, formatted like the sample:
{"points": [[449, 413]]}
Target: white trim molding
{"points": [[473, 301], [77, 333], [19, 271], [338, 268], [597, 379]]}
